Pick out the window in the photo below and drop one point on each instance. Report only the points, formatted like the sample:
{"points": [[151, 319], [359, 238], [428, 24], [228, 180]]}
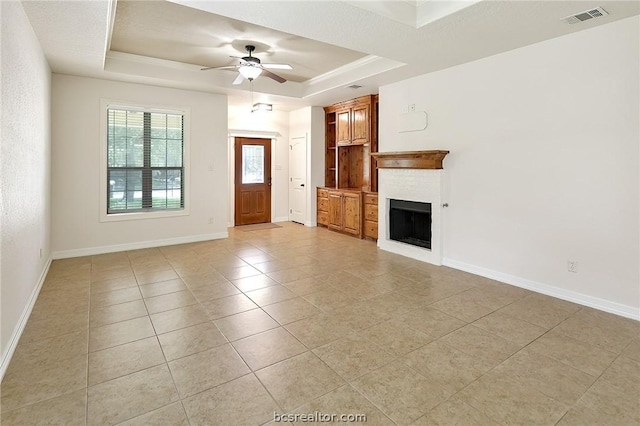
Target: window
{"points": [[145, 161], [252, 164]]}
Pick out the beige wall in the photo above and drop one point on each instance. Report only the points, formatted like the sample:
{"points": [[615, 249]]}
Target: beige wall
{"points": [[24, 173], [543, 167], [76, 192]]}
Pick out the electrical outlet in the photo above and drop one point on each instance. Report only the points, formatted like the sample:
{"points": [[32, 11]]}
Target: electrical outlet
{"points": [[412, 107], [210, 221], [572, 266]]}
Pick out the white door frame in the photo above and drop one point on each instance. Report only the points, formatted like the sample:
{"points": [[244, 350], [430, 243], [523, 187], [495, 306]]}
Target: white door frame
{"points": [[236, 133], [304, 139]]}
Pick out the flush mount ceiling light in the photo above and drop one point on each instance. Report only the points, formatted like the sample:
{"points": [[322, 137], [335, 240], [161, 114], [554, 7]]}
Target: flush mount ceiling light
{"points": [[261, 107], [249, 72]]}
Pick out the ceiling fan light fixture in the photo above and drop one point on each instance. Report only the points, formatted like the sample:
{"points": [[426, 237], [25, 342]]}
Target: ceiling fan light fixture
{"points": [[249, 72]]}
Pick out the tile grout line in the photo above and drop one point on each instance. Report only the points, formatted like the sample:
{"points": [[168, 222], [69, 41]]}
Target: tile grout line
{"points": [[229, 249]]}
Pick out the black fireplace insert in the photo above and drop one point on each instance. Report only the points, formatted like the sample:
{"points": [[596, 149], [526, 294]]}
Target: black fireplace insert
{"points": [[410, 222]]}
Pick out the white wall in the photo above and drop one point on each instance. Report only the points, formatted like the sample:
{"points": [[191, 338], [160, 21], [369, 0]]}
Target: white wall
{"points": [[309, 122], [76, 168], [241, 118], [25, 173], [543, 165]]}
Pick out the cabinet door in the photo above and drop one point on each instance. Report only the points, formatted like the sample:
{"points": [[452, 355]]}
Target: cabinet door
{"points": [[335, 210], [343, 127], [360, 124], [352, 209]]}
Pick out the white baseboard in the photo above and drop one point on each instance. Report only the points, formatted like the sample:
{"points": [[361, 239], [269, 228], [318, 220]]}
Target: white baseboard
{"points": [[138, 245], [281, 219], [22, 322], [560, 293]]}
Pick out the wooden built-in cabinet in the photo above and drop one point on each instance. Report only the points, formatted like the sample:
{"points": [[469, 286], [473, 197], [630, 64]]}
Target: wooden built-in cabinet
{"points": [[351, 135], [345, 209], [340, 210], [343, 127], [371, 215], [336, 208], [323, 207], [354, 123]]}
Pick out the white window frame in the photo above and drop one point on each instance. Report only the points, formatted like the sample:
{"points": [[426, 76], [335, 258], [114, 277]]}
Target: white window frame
{"points": [[105, 104]]}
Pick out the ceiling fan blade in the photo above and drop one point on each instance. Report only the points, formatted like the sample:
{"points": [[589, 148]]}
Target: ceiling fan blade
{"points": [[277, 66], [239, 79], [276, 77], [230, 67]]}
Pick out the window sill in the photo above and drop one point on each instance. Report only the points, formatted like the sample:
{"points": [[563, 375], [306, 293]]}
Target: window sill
{"points": [[118, 217]]}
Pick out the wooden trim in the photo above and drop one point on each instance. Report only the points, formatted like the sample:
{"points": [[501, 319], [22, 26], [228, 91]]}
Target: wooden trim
{"points": [[350, 103], [252, 214], [409, 159], [235, 133]]}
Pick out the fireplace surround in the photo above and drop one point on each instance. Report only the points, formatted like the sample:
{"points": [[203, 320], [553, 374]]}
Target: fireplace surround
{"points": [[413, 177]]}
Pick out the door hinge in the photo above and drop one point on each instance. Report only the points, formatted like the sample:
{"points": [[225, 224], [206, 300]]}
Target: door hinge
{"points": [[290, 210]]}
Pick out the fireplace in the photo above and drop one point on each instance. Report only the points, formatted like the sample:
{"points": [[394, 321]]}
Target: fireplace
{"points": [[407, 183], [410, 222]]}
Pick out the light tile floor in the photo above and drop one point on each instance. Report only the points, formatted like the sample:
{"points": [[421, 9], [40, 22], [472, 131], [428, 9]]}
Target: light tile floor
{"points": [[303, 320]]}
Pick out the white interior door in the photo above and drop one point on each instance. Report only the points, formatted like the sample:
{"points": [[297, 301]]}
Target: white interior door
{"points": [[298, 179]]}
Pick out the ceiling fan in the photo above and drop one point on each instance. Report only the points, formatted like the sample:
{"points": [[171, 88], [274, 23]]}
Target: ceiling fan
{"points": [[250, 67]]}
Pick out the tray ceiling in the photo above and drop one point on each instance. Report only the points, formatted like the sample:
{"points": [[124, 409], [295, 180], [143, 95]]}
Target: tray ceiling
{"points": [[332, 45], [170, 31]]}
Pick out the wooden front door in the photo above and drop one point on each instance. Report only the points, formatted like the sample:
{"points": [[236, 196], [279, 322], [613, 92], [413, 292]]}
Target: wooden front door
{"points": [[252, 181]]}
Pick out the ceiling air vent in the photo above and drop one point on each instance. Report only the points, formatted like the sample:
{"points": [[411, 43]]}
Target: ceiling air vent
{"points": [[584, 16], [354, 86]]}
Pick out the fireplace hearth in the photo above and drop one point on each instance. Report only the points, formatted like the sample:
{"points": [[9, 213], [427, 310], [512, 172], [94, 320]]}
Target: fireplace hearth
{"points": [[410, 222]]}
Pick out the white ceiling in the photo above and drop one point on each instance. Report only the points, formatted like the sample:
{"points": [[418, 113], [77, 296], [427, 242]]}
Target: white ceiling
{"points": [[330, 44], [170, 31]]}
